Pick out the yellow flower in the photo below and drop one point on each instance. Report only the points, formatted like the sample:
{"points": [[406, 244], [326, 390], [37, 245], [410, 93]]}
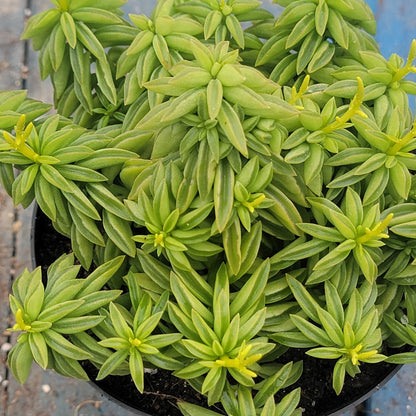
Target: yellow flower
{"points": [[376, 232], [356, 356], [251, 206], [297, 95], [135, 342], [241, 362], [354, 109], [20, 324], [159, 240]]}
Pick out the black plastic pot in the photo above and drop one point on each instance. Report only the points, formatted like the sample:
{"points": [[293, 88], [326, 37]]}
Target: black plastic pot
{"points": [[372, 378]]}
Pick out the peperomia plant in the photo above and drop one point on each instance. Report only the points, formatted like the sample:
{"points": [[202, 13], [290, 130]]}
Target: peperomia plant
{"points": [[66, 305], [239, 186]]}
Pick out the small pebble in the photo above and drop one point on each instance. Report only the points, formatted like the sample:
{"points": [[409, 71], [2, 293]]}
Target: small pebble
{"points": [[150, 370], [46, 388], [6, 347]]}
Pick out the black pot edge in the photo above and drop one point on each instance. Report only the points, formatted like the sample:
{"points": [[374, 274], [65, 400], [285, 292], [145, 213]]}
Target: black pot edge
{"points": [[337, 412], [365, 396], [116, 400]]}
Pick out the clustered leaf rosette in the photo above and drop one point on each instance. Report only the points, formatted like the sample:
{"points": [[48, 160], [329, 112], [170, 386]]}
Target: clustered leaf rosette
{"points": [[60, 164], [131, 334], [307, 35], [46, 315], [258, 180], [222, 18], [387, 162], [15, 103], [222, 340], [356, 232], [238, 402], [155, 48], [349, 335], [66, 37]]}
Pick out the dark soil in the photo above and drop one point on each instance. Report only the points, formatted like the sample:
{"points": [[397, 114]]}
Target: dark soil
{"points": [[48, 243], [162, 390]]}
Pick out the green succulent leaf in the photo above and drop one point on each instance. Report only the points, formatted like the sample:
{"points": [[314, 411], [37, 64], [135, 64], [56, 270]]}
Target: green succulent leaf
{"points": [[62, 346], [20, 359]]}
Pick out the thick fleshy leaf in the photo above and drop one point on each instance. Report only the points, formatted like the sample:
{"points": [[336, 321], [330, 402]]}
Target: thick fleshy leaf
{"points": [[231, 124], [321, 232], [304, 298], [367, 264], [86, 226], [273, 384], [56, 311], [334, 303], [105, 81], [103, 196], [79, 173], [336, 256], [20, 361], [232, 246], [99, 277], [252, 290], [331, 326], [307, 51], [214, 97], [96, 16], [80, 63], [336, 26], [40, 23], [287, 406], [136, 369], [80, 202], [57, 47], [223, 194], [311, 331], [119, 322], [52, 175], [300, 30], [62, 346], [112, 363], [212, 20], [189, 409], [38, 348], [162, 50], [187, 301], [68, 367], [86, 36], [82, 247], [338, 376], [234, 27], [73, 325]]}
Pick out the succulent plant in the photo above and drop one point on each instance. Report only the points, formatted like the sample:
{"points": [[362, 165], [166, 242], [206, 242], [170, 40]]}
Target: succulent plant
{"points": [[236, 184]]}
